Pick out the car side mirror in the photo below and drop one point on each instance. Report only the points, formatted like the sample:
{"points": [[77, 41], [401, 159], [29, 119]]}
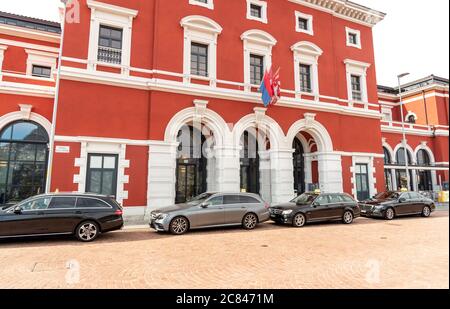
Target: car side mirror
{"points": [[315, 204], [18, 210], [402, 200], [204, 205]]}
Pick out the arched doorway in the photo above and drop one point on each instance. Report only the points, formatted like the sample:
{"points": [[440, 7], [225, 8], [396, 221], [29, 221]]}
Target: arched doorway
{"points": [[23, 161], [299, 167], [424, 177], [191, 171], [250, 173]]}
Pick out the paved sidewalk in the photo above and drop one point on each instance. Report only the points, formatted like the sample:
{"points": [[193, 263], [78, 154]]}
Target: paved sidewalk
{"points": [[405, 253]]}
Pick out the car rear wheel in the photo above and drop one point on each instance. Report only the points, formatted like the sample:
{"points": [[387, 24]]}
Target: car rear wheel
{"points": [[250, 221], [179, 226], [299, 220], [426, 212], [87, 231], [390, 214], [348, 217]]}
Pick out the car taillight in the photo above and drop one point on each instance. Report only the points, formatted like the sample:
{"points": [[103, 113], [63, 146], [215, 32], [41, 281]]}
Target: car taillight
{"points": [[118, 212]]}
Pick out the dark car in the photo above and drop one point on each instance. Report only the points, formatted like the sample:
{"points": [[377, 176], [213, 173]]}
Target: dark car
{"points": [[389, 205], [316, 207], [84, 215]]}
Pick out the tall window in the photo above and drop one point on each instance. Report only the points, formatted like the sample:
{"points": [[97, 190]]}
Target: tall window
{"points": [[256, 69], [387, 156], [356, 88], [423, 159], [400, 157], [23, 161], [110, 45], [199, 59], [102, 174], [305, 78]]}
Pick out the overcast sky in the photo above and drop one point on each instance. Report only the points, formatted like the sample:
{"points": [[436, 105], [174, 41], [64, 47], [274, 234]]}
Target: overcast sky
{"points": [[413, 38]]}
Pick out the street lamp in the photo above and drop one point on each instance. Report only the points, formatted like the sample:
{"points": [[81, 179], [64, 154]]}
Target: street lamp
{"points": [[51, 154], [403, 129]]}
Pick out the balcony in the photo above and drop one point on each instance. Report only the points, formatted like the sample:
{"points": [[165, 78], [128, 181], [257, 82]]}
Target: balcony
{"points": [[109, 55]]}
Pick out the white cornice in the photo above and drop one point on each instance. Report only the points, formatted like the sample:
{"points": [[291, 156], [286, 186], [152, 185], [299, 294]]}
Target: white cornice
{"points": [[27, 89], [29, 45], [111, 8], [345, 9], [30, 33], [75, 74]]}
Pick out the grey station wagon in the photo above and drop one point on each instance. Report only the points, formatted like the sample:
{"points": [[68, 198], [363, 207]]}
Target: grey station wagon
{"points": [[211, 210]]}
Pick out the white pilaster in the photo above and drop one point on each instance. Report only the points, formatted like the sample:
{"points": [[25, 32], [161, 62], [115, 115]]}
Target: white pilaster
{"points": [[330, 172], [265, 176], [282, 175], [227, 168], [161, 175]]}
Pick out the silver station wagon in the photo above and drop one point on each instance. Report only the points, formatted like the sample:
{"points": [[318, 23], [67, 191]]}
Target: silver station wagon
{"points": [[212, 210]]}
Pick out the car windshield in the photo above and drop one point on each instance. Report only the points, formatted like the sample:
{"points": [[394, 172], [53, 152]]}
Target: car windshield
{"points": [[305, 199], [387, 196], [200, 199]]}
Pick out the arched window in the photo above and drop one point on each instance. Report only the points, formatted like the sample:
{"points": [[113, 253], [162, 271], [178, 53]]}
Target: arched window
{"points": [[23, 161], [401, 157], [412, 119], [423, 158], [387, 156]]}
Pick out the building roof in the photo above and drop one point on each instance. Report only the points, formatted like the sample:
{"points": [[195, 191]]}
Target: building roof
{"points": [[29, 22], [414, 85]]}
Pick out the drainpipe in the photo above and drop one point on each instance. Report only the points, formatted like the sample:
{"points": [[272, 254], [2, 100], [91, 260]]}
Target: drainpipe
{"points": [[426, 108]]}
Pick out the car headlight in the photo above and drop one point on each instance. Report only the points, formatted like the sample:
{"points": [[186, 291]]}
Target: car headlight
{"points": [[287, 212], [162, 216], [379, 207]]}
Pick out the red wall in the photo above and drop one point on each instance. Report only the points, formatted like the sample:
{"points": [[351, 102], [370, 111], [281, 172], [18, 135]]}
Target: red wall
{"points": [[137, 187], [64, 168]]}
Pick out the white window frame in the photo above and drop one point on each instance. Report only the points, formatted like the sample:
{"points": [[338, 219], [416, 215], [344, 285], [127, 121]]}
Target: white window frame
{"points": [[310, 20], [387, 111], [3, 48], [209, 4], [40, 58], [202, 30], [371, 171], [112, 16], [357, 68], [349, 31], [256, 42], [263, 5], [307, 53]]}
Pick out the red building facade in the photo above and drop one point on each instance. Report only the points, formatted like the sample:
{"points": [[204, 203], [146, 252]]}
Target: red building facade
{"points": [[146, 83]]}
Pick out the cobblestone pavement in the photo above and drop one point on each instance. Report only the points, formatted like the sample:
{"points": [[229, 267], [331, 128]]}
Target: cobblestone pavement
{"points": [[405, 253]]}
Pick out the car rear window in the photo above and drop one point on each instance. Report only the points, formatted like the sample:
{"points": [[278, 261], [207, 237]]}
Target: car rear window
{"points": [[231, 199], [62, 202], [84, 202], [248, 200], [347, 199]]}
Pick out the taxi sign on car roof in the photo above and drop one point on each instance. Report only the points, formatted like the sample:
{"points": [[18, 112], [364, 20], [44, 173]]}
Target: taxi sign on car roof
{"points": [[404, 190], [317, 191]]}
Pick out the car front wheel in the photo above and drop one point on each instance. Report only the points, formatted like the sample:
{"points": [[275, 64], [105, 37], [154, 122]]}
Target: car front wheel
{"points": [[348, 217], [299, 220], [390, 214], [250, 221], [179, 226], [87, 231], [426, 212]]}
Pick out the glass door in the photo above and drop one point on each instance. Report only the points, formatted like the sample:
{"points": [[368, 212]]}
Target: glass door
{"points": [[362, 182]]}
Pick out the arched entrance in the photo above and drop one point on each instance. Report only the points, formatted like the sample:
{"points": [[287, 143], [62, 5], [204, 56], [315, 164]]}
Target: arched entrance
{"points": [[299, 167], [23, 160], [191, 170], [250, 163], [401, 174]]}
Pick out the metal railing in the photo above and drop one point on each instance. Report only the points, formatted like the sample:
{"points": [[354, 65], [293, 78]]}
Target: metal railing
{"points": [[109, 55]]}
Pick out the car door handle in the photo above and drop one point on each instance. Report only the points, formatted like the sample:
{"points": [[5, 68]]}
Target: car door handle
{"points": [[78, 212]]}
